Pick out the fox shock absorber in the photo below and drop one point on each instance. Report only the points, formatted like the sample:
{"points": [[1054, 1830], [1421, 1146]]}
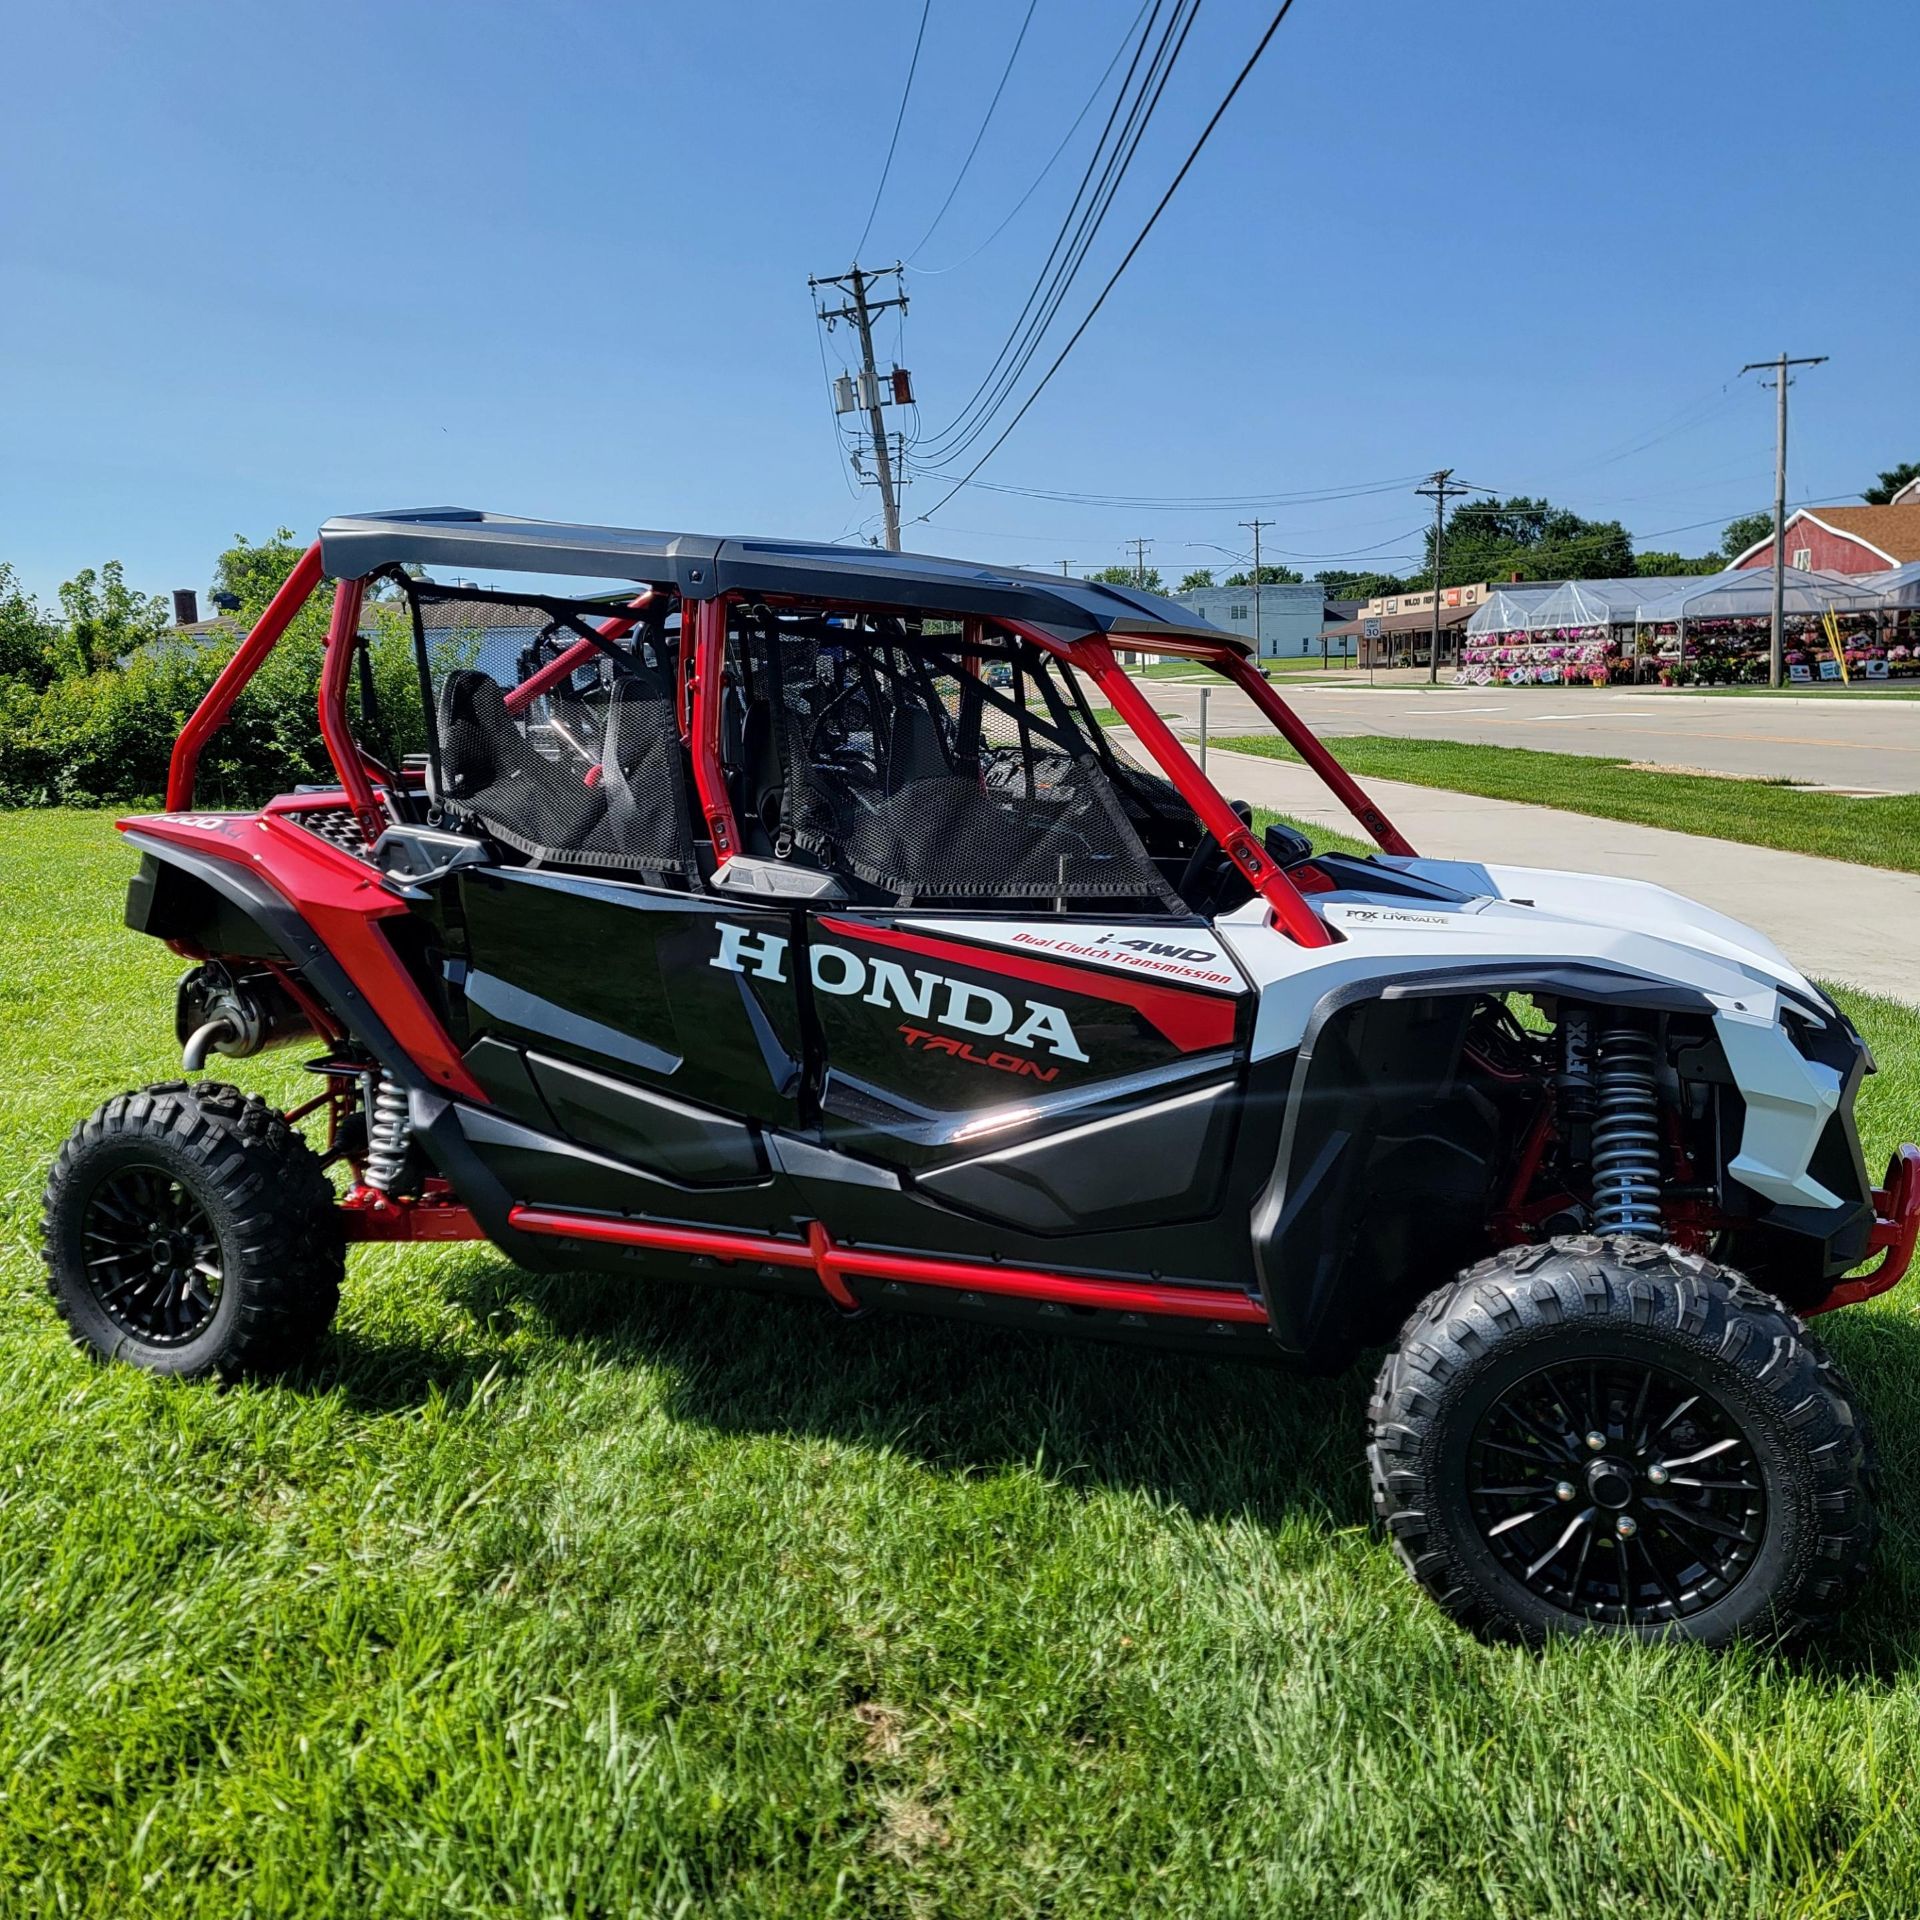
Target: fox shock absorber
{"points": [[389, 1135], [1574, 1082], [1626, 1133]]}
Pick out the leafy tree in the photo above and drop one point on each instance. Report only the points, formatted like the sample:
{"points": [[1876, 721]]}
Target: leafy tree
{"points": [[1197, 580], [1127, 577], [1740, 534], [26, 634], [1339, 583], [105, 620], [1533, 539], [1651, 565], [253, 574], [1891, 482], [1269, 577]]}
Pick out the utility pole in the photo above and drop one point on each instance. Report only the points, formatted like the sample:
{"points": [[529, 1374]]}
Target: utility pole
{"points": [[1439, 489], [866, 396], [1256, 525], [1140, 561], [1776, 662]]}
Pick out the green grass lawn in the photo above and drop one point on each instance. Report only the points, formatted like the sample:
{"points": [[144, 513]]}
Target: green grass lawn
{"points": [[1868, 690], [1879, 832], [594, 1597]]}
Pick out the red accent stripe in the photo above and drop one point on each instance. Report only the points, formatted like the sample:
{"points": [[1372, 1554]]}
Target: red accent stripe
{"points": [[832, 1262], [1193, 1018]]}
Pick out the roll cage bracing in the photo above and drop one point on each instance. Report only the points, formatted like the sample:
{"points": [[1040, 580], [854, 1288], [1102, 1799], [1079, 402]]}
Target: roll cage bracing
{"points": [[1075, 622]]}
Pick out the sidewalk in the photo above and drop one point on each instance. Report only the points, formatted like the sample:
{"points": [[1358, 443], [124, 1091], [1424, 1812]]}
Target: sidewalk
{"points": [[1856, 925]]}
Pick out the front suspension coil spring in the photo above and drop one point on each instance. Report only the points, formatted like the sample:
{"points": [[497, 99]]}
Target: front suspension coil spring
{"points": [[389, 1135], [1626, 1134]]}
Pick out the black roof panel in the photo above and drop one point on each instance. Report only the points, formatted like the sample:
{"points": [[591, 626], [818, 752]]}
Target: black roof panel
{"points": [[702, 565]]}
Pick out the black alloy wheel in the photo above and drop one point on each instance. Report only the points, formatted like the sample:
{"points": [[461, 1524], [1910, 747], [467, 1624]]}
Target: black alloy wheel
{"points": [[1613, 1436], [153, 1258], [1617, 1490], [190, 1230]]}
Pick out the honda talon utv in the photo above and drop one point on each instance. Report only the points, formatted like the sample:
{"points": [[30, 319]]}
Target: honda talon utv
{"points": [[788, 917]]}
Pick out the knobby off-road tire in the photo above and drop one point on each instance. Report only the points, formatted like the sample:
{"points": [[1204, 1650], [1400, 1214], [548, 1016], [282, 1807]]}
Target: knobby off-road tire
{"points": [[1613, 1436], [190, 1230]]}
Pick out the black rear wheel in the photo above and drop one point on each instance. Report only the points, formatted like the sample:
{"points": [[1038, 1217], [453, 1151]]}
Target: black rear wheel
{"points": [[152, 1255], [190, 1230], [1619, 1437]]}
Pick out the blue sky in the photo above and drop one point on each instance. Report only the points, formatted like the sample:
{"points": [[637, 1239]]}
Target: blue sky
{"points": [[265, 264]]}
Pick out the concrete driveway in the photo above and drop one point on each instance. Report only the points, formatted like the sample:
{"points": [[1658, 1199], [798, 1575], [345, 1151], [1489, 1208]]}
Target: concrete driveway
{"points": [[1868, 744]]}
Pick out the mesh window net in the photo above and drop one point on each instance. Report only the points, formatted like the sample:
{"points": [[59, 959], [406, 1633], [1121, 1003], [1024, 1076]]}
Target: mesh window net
{"points": [[934, 768], [591, 772]]}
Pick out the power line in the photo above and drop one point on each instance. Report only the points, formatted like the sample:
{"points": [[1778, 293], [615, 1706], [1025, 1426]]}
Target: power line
{"points": [[906, 93], [1079, 227], [1153, 218], [1197, 503], [1073, 127], [986, 120]]}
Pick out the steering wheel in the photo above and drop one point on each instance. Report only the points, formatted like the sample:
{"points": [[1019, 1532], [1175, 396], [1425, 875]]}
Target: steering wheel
{"points": [[1209, 866], [1209, 863]]}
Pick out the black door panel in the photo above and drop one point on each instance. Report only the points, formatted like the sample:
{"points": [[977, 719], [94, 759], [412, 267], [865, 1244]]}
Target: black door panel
{"points": [[663, 1135], [539, 1169], [1147, 1166], [624, 979]]}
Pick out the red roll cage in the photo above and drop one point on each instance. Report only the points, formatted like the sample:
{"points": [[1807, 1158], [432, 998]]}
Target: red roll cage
{"points": [[702, 653]]}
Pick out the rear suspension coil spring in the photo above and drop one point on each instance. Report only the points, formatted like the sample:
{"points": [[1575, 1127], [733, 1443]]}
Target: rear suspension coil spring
{"points": [[1626, 1134], [389, 1135]]}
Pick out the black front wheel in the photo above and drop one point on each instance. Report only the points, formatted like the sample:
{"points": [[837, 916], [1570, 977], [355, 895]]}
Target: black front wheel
{"points": [[1607, 1435], [190, 1230]]}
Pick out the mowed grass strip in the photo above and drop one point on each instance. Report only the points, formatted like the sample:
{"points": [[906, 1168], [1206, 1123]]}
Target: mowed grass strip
{"points": [[582, 1596], [1883, 831]]}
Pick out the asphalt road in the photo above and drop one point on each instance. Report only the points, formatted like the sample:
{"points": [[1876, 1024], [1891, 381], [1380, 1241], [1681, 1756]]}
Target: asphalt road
{"points": [[1872, 745]]}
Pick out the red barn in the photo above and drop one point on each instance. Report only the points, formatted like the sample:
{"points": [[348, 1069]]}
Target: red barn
{"points": [[1846, 539]]}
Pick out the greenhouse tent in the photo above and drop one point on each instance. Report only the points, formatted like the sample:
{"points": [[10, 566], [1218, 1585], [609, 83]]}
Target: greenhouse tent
{"points": [[1746, 593], [1507, 610], [1898, 588], [1552, 606]]}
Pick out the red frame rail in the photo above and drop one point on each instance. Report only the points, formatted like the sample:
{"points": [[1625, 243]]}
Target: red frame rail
{"points": [[210, 715], [834, 1265], [1232, 834], [1306, 743], [570, 659]]}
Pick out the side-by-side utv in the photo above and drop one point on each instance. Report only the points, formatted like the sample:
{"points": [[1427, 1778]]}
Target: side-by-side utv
{"points": [[791, 917]]}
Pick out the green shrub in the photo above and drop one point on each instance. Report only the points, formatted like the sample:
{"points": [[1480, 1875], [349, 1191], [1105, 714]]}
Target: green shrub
{"points": [[105, 737]]}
